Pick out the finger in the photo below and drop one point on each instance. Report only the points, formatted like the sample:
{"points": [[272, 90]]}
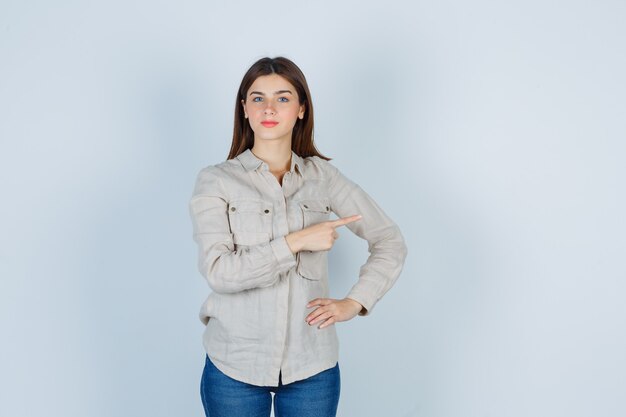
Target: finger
{"points": [[345, 220], [327, 322], [315, 314], [319, 310], [314, 302], [319, 301], [321, 317]]}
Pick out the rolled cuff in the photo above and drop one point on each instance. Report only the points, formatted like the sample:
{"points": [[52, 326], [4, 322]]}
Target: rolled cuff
{"points": [[366, 300], [285, 257]]}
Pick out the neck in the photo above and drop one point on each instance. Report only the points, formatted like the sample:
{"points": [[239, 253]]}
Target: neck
{"points": [[276, 155]]}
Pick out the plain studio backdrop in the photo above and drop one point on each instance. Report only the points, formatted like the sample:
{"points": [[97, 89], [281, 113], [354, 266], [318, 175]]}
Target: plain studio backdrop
{"points": [[492, 132]]}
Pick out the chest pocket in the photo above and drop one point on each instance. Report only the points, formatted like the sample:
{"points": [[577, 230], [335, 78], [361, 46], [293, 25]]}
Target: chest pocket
{"points": [[314, 211], [313, 265], [250, 221]]}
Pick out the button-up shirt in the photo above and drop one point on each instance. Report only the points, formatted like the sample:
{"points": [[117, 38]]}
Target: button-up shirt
{"points": [[255, 314]]}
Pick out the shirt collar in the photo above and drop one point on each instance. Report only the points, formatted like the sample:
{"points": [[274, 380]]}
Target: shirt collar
{"points": [[251, 162]]}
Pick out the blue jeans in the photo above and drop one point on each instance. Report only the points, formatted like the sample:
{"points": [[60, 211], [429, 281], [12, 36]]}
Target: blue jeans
{"points": [[223, 396]]}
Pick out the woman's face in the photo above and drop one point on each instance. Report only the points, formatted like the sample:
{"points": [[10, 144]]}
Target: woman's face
{"points": [[271, 98]]}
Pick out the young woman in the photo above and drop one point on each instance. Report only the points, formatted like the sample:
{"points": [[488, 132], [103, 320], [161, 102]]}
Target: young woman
{"points": [[261, 220]]}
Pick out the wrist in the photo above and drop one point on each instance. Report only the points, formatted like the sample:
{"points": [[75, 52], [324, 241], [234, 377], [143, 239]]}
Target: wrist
{"points": [[357, 306], [293, 242]]}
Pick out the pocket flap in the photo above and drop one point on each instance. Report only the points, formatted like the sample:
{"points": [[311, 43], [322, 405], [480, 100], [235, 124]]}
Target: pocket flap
{"points": [[247, 206], [322, 206]]}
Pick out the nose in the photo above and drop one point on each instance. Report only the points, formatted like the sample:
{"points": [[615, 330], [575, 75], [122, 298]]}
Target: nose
{"points": [[269, 109]]}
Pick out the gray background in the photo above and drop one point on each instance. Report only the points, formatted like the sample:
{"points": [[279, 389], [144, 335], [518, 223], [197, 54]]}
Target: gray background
{"points": [[492, 132]]}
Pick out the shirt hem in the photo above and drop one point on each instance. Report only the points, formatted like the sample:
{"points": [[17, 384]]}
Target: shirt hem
{"points": [[234, 374], [263, 382], [308, 372]]}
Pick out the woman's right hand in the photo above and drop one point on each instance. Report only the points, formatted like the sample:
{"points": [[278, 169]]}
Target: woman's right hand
{"points": [[320, 236]]}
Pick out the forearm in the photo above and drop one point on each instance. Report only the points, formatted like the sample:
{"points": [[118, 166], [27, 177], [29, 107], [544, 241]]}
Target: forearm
{"points": [[381, 270], [295, 242], [227, 270]]}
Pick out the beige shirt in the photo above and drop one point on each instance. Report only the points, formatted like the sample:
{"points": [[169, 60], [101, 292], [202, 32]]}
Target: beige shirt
{"points": [[255, 314]]}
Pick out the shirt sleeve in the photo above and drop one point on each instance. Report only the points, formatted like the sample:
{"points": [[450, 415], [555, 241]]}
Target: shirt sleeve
{"points": [[228, 270], [386, 245]]}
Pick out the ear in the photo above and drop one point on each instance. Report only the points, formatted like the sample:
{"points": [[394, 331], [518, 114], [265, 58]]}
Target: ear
{"points": [[243, 104], [301, 112]]}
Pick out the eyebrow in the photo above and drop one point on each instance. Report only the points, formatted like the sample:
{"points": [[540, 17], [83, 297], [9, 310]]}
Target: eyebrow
{"points": [[275, 92]]}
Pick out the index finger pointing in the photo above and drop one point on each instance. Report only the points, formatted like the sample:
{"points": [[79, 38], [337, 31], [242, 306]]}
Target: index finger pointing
{"points": [[345, 220]]}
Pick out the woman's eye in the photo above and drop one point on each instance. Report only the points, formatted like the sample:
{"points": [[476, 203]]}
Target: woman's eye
{"points": [[281, 99]]}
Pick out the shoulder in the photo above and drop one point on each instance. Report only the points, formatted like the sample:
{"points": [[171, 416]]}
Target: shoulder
{"points": [[335, 180], [209, 178], [222, 169], [316, 166]]}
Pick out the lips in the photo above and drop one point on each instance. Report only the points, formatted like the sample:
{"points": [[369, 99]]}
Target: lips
{"points": [[269, 123]]}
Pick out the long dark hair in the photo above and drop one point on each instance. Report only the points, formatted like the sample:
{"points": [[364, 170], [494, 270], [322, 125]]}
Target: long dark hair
{"points": [[302, 134]]}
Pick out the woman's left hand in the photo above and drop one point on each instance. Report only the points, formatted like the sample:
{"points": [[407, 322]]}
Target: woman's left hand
{"points": [[332, 311]]}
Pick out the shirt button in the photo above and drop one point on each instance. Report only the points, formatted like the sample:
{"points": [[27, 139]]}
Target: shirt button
{"points": [[305, 206], [267, 211], [232, 209]]}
